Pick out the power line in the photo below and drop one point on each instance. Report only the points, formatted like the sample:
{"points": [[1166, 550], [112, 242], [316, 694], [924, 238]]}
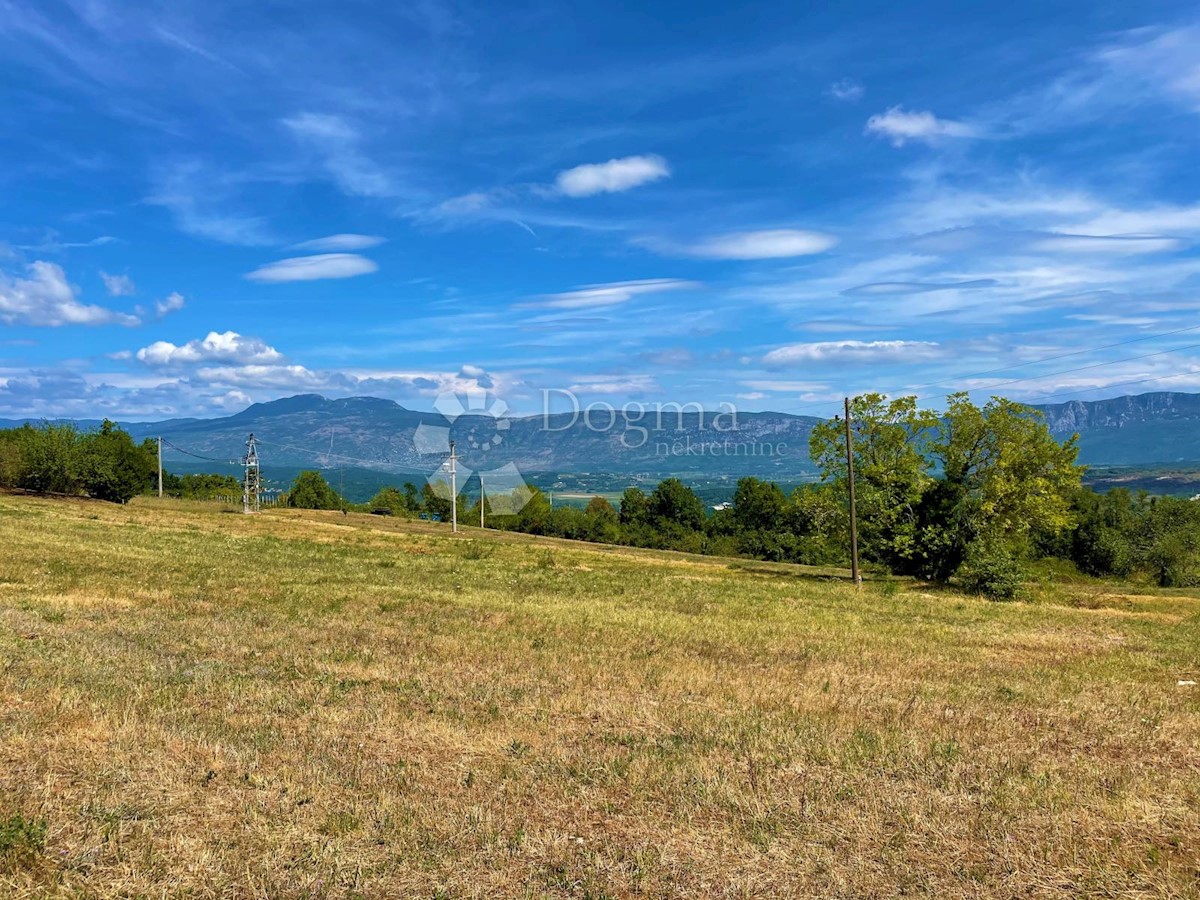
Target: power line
{"points": [[227, 461], [322, 454]]}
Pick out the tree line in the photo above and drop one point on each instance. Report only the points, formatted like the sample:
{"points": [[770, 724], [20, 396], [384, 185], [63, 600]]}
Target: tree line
{"points": [[972, 493], [105, 464]]}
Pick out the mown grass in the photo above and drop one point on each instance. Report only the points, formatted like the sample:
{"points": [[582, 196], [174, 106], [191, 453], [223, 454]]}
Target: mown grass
{"points": [[202, 704]]}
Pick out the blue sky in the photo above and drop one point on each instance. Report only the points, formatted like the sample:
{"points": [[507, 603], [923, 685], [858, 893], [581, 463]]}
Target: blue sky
{"points": [[764, 204]]}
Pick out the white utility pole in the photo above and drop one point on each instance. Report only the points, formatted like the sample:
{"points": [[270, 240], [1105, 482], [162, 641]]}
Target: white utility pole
{"points": [[160, 467], [481, 500], [453, 491]]}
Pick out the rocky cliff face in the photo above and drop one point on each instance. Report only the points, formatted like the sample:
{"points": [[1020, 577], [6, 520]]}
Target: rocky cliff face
{"points": [[1149, 428]]}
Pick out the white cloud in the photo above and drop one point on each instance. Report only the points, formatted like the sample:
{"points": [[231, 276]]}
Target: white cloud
{"points": [[785, 387], [341, 242], [200, 198], [338, 144], [169, 304], [611, 177], [751, 395], [225, 346], [851, 352], [847, 89], [313, 268], [464, 204], [1106, 244], [598, 295], [900, 126], [609, 384], [316, 126], [769, 244], [1149, 221], [118, 285], [260, 377], [1168, 62], [47, 298]]}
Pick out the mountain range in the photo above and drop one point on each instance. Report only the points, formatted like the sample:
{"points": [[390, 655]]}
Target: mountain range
{"points": [[309, 430]]}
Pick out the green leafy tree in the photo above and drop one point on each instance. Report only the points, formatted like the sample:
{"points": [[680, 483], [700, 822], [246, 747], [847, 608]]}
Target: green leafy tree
{"points": [[635, 508], [435, 501], [759, 505], [389, 499], [534, 516], [602, 521], [51, 459], [310, 490], [112, 467], [1003, 475], [674, 505], [891, 471]]}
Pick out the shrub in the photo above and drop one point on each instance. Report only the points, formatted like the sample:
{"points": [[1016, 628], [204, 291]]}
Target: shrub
{"points": [[310, 490], [993, 570]]}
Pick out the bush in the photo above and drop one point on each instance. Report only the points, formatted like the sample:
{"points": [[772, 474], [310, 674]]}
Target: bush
{"points": [[310, 490], [993, 570]]}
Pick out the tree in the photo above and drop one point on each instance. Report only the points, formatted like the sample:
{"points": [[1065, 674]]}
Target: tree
{"points": [[891, 471], [50, 459], [602, 521], [1003, 475], [112, 467], [388, 499], [434, 503], [675, 504], [634, 507], [758, 505], [310, 490], [412, 500], [535, 514]]}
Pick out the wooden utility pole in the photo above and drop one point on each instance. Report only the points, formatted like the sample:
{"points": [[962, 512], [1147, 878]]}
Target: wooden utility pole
{"points": [[160, 467], [854, 572]]}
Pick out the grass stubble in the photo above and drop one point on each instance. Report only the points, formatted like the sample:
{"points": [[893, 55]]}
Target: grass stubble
{"points": [[306, 705]]}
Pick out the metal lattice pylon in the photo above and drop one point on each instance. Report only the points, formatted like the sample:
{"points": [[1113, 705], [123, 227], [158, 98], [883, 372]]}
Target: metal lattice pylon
{"points": [[252, 481]]}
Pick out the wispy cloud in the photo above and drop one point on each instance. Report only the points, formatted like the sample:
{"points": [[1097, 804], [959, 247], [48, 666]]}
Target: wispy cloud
{"points": [[777, 243], [851, 352], [173, 302], [118, 285], [202, 202], [341, 242], [887, 288], [46, 298], [600, 295], [314, 268], [338, 144], [901, 126], [613, 176], [847, 90]]}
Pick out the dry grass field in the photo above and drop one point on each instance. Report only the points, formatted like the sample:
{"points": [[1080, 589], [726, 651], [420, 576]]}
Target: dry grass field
{"points": [[301, 705]]}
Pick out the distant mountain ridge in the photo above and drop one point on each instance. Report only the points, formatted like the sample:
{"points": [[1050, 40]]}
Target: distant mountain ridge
{"points": [[311, 430], [1158, 427]]}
